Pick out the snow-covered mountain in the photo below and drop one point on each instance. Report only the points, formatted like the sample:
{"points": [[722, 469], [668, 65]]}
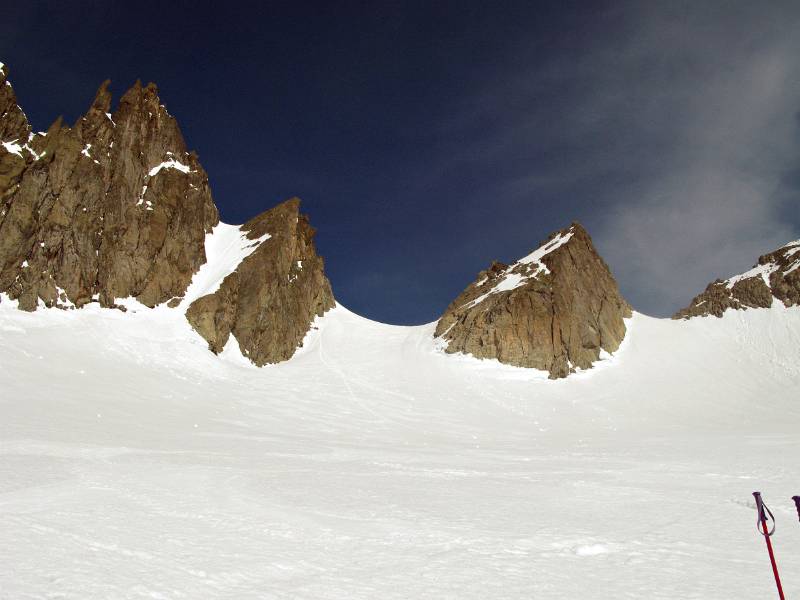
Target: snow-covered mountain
{"points": [[379, 461]]}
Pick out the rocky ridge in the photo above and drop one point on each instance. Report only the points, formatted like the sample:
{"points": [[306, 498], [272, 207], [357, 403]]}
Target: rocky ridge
{"points": [[112, 207], [775, 276], [117, 207], [558, 309], [268, 302]]}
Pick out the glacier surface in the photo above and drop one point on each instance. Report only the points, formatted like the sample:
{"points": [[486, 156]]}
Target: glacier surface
{"points": [[136, 464]]}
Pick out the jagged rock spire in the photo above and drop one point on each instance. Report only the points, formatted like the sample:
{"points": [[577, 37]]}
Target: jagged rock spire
{"points": [[116, 206], [112, 207]]}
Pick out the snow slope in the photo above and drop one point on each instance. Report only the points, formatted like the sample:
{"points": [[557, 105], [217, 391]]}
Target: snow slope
{"points": [[226, 246], [136, 464]]}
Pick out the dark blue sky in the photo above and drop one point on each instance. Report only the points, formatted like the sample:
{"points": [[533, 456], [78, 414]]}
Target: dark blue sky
{"points": [[427, 139]]}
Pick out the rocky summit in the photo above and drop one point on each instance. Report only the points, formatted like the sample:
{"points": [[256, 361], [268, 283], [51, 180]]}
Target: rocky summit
{"points": [[558, 309], [13, 122], [111, 207], [117, 207], [268, 302], [776, 276]]}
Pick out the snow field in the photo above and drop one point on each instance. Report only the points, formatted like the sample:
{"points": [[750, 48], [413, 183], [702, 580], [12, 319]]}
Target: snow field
{"points": [[136, 464]]}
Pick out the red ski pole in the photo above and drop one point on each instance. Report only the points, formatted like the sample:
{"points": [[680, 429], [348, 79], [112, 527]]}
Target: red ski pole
{"points": [[763, 529]]}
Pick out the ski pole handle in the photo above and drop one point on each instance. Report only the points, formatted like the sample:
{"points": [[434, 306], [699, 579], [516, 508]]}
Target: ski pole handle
{"points": [[797, 504], [759, 505], [764, 516]]}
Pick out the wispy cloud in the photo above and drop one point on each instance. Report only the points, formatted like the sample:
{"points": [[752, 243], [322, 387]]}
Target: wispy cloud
{"points": [[670, 129], [714, 203]]}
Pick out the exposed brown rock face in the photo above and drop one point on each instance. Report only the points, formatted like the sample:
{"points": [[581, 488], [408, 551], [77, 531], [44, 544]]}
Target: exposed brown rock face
{"points": [[777, 275], [270, 300], [112, 207], [554, 310], [116, 207], [15, 132], [13, 122]]}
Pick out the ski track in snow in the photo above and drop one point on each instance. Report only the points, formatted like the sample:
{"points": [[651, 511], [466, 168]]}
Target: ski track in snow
{"points": [[136, 464]]}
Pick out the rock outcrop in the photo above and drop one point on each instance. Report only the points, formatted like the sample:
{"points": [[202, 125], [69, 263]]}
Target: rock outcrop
{"points": [[116, 207], [271, 298], [775, 276], [112, 207], [14, 125], [15, 133], [557, 309]]}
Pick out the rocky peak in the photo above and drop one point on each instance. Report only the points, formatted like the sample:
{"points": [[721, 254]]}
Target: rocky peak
{"points": [[144, 125], [99, 113], [116, 207], [14, 127], [775, 276], [268, 302], [109, 208], [557, 309]]}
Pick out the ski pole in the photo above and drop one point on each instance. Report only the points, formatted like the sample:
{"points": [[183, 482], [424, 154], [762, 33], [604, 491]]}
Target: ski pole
{"points": [[797, 504], [763, 529]]}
